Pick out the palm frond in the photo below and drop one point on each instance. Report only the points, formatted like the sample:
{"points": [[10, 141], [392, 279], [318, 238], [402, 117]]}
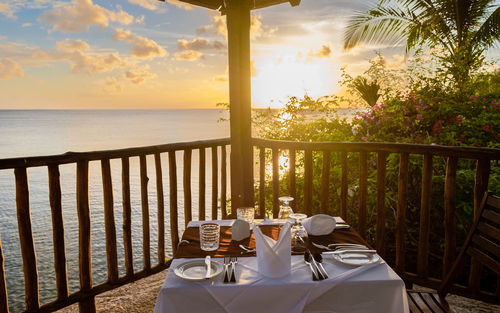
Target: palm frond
{"points": [[489, 32]]}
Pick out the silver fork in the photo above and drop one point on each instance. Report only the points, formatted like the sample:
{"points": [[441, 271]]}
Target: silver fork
{"points": [[226, 265], [234, 260], [335, 246]]}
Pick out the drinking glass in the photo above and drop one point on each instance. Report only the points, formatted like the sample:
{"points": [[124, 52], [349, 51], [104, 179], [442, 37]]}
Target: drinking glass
{"points": [[209, 236], [246, 214], [285, 209], [299, 233]]}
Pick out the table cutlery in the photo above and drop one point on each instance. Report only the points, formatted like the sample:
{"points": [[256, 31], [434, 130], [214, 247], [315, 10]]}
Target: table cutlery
{"points": [[359, 251], [341, 226], [315, 265], [307, 259], [247, 250], [335, 246], [209, 267], [319, 260], [234, 260], [226, 270]]}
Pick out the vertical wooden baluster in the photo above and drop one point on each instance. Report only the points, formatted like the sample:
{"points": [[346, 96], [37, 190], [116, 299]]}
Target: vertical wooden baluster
{"points": [[127, 218], [293, 181], [4, 299], [145, 213], [363, 190], [109, 221], [325, 182], [381, 179], [262, 182], [26, 240], [215, 183], [425, 222], [174, 225], [401, 212], [308, 182], [449, 214], [276, 183], [187, 187], [223, 182], [82, 205], [58, 232], [480, 187], [343, 187], [201, 175], [161, 209]]}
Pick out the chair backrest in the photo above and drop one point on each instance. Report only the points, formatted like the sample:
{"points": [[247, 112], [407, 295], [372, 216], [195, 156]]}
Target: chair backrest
{"points": [[482, 243]]}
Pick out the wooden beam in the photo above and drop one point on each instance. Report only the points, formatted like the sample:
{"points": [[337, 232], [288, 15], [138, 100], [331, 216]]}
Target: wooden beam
{"points": [[238, 28]]}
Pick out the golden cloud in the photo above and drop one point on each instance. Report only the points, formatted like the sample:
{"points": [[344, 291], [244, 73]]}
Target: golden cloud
{"points": [[324, 52], [199, 44], [10, 69], [182, 5], [142, 47], [147, 4], [75, 53], [111, 85], [7, 10], [189, 55], [219, 27], [81, 15], [138, 77]]}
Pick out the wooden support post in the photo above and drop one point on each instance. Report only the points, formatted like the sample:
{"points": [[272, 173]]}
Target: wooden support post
{"points": [[223, 182], [238, 29], [425, 222], [201, 186], [26, 240], [381, 179], [187, 187], [109, 221], [325, 183], [127, 218], [85, 263], [401, 212], [174, 222], [343, 188], [450, 239], [4, 300], [308, 182], [363, 193], [58, 232], [262, 182], [293, 182], [276, 183], [145, 213], [215, 182], [161, 209]]}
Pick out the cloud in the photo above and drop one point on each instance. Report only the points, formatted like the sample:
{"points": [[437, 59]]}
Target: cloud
{"points": [[221, 78], [138, 77], [182, 5], [10, 69], [219, 27], [189, 55], [82, 14], [324, 52], [147, 4], [27, 25], [75, 52], [7, 10], [200, 44], [112, 86], [142, 47]]}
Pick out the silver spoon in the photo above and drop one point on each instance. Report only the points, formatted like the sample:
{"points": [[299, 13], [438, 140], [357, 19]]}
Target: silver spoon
{"points": [[247, 250]]}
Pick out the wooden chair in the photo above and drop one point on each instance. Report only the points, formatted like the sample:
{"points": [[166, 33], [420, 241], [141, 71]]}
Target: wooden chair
{"points": [[482, 245]]}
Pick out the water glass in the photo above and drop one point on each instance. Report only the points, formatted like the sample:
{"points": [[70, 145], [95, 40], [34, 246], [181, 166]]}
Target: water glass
{"points": [[209, 236], [245, 214]]}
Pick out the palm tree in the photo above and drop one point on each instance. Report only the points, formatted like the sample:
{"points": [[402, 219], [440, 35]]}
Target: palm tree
{"points": [[465, 29], [368, 91]]}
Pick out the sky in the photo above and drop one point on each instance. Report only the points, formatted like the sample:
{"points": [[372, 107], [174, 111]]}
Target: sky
{"points": [[147, 54]]}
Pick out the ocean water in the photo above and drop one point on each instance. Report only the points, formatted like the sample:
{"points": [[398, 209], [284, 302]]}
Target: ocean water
{"points": [[34, 133]]}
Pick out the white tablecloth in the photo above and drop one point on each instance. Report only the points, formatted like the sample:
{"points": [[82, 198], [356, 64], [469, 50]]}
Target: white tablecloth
{"points": [[371, 288]]}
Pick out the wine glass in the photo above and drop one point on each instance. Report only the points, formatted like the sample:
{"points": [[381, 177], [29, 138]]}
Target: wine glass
{"points": [[285, 209], [299, 233]]}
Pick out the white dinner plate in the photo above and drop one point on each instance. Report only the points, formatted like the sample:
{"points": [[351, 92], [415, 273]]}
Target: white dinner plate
{"points": [[196, 269], [356, 258]]}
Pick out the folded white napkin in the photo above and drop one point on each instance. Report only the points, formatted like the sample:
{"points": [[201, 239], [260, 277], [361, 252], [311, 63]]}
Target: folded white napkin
{"points": [[274, 257], [319, 224]]}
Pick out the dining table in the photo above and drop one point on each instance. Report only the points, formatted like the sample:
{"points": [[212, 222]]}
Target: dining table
{"points": [[372, 287]]}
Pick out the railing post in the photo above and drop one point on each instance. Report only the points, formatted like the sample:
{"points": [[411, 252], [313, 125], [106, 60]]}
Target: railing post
{"points": [[201, 186], [127, 218], [109, 221], [174, 222], [223, 182], [293, 181], [363, 190], [4, 300], [58, 232], [401, 212], [325, 183], [425, 222], [276, 183], [85, 264], [161, 209], [215, 182], [381, 179], [145, 213], [187, 187], [308, 182], [262, 182], [449, 214], [343, 188]]}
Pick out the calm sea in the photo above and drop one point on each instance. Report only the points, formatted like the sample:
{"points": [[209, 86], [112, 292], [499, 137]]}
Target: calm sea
{"points": [[34, 133]]}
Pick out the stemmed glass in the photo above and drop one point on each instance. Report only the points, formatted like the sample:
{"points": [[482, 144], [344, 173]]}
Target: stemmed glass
{"points": [[299, 233], [285, 209]]}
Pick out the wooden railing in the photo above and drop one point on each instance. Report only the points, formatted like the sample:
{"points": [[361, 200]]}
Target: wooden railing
{"points": [[306, 154], [85, 295], [273, 149]]}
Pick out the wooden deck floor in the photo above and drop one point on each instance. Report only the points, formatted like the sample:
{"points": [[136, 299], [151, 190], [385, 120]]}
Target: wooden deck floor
{"points": [[140, 297]]}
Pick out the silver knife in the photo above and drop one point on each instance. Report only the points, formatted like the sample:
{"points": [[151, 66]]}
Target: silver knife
{"points": [[209, 267], [342, 251]]}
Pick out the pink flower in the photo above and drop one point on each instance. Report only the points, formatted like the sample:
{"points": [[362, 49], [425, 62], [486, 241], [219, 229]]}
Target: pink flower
{"points": [[486, 128], [493, 102], [459, 120], [474, 97], [420, 117], [496, 106], [484, 100], [417, 107]]}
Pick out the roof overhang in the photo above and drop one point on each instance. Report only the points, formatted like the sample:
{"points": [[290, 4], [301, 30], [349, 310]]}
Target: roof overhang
{"points": [[220, 4]]}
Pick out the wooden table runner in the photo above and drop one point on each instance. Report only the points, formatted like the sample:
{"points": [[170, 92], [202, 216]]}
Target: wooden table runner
{"points": [[227, 247]]}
